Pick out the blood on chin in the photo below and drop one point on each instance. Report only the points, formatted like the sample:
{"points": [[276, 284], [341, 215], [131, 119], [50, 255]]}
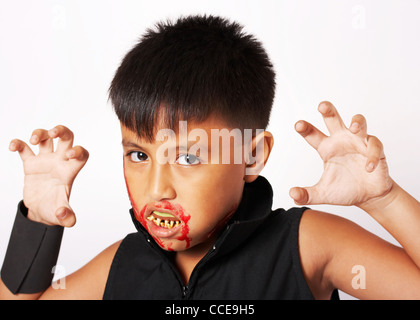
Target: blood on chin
{"points": [[181, 240], [173, 244], [169, 244]]}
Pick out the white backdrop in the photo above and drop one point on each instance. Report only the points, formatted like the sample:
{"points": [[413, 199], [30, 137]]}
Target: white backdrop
{"points": [[57, 59]]}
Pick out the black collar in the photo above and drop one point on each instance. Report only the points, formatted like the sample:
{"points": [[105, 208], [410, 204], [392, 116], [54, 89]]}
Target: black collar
{"points": [[254, 208]]}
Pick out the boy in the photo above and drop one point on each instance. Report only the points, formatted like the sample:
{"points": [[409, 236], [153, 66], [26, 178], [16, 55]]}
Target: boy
{"points": [[205, 225]]}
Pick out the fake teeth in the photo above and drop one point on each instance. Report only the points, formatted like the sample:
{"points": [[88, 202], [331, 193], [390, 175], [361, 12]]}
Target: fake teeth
{"points": [[169, 224]]}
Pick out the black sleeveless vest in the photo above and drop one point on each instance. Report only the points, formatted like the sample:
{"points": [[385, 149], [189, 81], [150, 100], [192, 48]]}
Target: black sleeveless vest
{"points": [[255, 257]]}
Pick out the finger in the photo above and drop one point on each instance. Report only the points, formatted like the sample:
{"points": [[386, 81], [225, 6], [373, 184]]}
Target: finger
{"points": [[331, 117], [24, 150], [311, 134], [358, 126], [41, 137], [65, 135], [375, 152], [304, 196], [66, 217], [78, 153]]}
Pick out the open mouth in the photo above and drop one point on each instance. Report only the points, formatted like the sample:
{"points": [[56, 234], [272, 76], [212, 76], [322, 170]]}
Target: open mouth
{"points": [[164, 219]]}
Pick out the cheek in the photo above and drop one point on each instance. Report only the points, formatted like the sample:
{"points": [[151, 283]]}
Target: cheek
{"points": [[215, 205], [138, 213], [185, 229]]}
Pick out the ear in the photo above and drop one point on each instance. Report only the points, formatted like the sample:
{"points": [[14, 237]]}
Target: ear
{"points": [[257, 157]]}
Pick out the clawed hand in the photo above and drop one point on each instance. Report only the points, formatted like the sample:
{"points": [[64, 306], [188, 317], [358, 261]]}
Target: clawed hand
{"points": [[49, 175], [355, 169]]}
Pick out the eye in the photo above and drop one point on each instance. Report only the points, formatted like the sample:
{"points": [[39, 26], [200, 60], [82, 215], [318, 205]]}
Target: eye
{"points": [[138, 156], [188, 159]]}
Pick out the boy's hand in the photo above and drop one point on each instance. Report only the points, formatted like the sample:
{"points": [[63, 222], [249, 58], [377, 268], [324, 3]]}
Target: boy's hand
{"points": [[355, 170], [49, 175]]}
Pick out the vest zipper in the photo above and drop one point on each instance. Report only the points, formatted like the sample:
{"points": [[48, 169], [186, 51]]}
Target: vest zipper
{"points": [[186, 288], [184, 292]]}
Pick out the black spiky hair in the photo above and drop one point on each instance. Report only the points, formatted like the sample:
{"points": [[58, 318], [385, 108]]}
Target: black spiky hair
{"points": [[190, 69]]}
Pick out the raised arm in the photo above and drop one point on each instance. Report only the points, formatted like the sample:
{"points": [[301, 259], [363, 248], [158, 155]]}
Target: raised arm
{"points": [[356, 173], [45, 210], [49, 176]]}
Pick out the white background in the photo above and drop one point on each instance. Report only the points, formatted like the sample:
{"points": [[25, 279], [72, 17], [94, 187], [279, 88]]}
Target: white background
{"points": [[57, 59]]}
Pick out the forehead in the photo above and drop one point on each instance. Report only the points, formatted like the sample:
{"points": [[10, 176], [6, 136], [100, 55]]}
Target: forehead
{"points": [[211, 123]]}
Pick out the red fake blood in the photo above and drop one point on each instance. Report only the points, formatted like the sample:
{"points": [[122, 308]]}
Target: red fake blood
{"points": [[185, 230], [140, 218]]}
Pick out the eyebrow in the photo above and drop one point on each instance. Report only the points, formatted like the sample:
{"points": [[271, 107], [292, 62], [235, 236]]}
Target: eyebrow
{"points": [[130, 144]]}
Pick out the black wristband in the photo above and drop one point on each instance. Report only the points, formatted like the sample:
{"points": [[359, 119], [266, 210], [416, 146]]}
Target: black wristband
{"points": [[31, 254]]}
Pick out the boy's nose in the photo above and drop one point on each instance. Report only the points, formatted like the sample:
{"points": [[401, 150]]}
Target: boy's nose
{"points": [[160, 184]]}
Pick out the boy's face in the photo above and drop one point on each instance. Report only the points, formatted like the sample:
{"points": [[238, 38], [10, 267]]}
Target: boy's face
{"points": [[182, 200]]}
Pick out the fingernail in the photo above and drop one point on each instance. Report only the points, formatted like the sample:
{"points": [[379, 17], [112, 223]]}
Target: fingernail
{"points": [[355, 126], [62, 214], [323, 108], [71, 154], [34, 139], [12, 146], [370, 166], [299, 126]]}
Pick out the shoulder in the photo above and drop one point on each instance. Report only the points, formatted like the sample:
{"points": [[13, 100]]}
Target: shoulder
{"points": [[104, 259], [89, 281], [330, 245], [321, 236], [326, 233], [316, 223], [330, 249]]}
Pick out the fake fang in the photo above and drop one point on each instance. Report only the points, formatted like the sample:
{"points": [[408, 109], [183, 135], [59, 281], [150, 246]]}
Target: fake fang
{"points": [[163, 220]]}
